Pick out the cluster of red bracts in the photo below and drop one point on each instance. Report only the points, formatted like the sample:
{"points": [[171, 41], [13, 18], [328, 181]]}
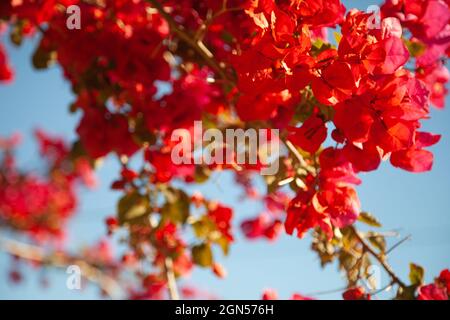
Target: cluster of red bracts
{"points": [[439, 290], [327, 200], [377, 103], [41, 205]]}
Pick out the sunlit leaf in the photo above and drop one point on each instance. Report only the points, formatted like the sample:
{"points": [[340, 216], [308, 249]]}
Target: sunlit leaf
{"points": [[42, 59], [132, 206], [202, 255], [416, 274], [369, 219], [176, 208]]}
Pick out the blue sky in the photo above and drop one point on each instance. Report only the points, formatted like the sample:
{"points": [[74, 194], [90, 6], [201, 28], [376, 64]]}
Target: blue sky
{"points": [[413, 204]]}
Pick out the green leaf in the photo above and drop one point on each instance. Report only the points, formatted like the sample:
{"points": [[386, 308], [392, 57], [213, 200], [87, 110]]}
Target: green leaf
{"points": [[16, 35], [415, 48], [319, 46], [141, 134], [304, 111], [416, 274], [77, 150], [377, 241], [132, 206], [347, 262], [224, 244], [203, 227], [324, 248], [327, 112], [369, 219], [202, 174], [227, 37], [176, 209], [337, 37], [42, 59], [202, 255], [318, 43]]}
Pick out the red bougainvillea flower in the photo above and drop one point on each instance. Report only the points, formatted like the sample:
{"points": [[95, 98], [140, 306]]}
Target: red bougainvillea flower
{"points": [[41, 205], [263, 106], [310, 135], [270, 294], [154, 288], [277, 201], [275, 60], [102, 132], [263, 226], [334, 84], [444, 278], [416, 159], [386, 124], [297, 296], [432, 292], [429, 26], [219, 270], [128, 174], [221, 216], [318, 13], [6, 73], [439, 290], [165, 169], [191, 95], [327, 202], [435, 76], [112, 224], [356, 294]]}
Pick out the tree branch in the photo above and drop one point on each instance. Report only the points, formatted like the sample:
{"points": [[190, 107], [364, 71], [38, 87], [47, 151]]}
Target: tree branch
{"points": [[379, 258], [295, 152], [171, 280], [59, 260]]}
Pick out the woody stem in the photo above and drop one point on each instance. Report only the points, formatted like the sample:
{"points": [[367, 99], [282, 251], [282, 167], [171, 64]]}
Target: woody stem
{"points": [[379, 258], [171, 280]]}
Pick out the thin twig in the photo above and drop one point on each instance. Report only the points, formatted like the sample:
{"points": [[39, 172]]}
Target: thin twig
{"points": [[295, 152], [322, 293], [408, 237], [198, 46], [385, 288]]}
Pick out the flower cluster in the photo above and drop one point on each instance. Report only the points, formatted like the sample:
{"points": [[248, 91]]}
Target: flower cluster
{"points": [[41, 205], [439, 290], [362, 87]]}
